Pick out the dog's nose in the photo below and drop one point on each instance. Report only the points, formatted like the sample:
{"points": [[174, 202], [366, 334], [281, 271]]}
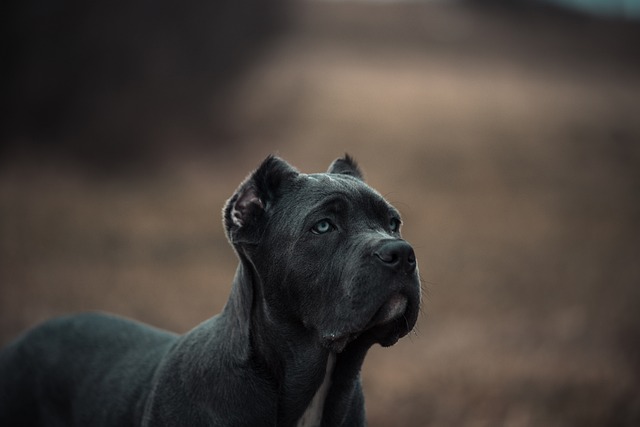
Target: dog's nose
{"points": [[397, 255]]}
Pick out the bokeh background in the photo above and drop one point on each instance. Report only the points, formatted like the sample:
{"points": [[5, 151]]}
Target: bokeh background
{"points": [[507, 132]]}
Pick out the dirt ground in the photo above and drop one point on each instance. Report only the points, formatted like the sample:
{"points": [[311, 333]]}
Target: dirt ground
{"points": [[510, 141]]}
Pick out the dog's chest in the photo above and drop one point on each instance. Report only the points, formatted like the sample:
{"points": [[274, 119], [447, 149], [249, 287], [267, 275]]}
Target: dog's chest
{"points": [[312, 416]]}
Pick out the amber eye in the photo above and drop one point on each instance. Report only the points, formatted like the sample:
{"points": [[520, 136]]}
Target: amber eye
{"points": [[322, 227], [394, 225]]}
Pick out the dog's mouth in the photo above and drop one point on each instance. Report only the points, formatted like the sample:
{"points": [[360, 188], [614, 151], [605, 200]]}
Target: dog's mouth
{"points": [[393, 309], [386, 326]]}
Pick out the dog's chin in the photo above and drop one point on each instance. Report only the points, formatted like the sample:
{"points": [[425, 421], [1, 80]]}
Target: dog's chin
{"points": [[391, 310], [390, 323], [386, 327]]}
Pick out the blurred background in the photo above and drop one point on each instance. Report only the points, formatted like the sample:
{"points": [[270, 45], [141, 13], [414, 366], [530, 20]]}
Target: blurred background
{"points": [[507, 133]]}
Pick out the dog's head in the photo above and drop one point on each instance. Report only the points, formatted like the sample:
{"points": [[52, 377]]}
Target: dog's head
{"points": [[326, 251]]}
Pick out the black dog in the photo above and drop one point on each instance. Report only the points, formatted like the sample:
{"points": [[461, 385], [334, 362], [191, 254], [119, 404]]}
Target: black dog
{"points": [[323, 275]]}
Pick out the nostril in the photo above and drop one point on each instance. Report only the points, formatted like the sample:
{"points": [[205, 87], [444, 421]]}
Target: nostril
{"points": [[387, 257], [397, 255], [411, 258]]}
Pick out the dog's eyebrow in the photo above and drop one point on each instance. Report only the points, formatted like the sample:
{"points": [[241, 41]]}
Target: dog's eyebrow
{"points": [[339, 202], [383, 208], [336, 201]]}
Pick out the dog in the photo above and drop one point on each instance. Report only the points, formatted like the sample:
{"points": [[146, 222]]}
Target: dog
{"points": [[323, 275]]}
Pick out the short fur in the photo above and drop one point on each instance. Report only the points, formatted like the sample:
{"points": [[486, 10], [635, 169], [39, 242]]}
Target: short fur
{"points": [[323, 275]]}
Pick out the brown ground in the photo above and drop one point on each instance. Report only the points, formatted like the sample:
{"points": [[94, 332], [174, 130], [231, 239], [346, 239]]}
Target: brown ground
{"points": [[510, 142]]}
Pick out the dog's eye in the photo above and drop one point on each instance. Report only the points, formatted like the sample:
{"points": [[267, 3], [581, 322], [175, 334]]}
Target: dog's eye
{"points": [[394, 225], [322, 227]]}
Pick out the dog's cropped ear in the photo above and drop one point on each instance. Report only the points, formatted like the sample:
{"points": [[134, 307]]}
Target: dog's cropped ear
{"points": [[252, 199], [346, 166]]}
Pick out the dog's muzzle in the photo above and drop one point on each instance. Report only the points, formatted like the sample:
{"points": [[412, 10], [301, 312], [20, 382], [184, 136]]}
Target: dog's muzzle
{"points": [[396, 313]]}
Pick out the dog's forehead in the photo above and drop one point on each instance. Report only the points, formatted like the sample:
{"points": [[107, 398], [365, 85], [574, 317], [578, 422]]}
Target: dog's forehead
{"points": [[323, 184], [333, 180], [315, 189]]}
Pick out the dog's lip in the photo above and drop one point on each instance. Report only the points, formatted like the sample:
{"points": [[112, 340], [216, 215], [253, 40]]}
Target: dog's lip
{"points": [[391, 310], [337, 343]]}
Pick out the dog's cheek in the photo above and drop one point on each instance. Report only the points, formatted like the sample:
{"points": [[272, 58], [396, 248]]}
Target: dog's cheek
{"points": [[309, 286], [336, 299]]}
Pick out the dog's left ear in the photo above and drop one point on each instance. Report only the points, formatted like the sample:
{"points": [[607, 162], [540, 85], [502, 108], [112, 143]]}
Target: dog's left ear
{"points": [[346, 166], [245, 209]]}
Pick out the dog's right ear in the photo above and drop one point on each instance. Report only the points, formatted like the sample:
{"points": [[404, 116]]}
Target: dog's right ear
{"points": [[346, 166], [254, 197]]}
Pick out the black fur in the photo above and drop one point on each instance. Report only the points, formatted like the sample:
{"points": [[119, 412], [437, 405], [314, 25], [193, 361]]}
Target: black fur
{"points": [[323, 273]]}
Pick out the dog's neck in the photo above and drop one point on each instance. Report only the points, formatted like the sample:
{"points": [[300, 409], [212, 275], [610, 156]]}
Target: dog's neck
{"points": [[312, 416], [309, 378]]}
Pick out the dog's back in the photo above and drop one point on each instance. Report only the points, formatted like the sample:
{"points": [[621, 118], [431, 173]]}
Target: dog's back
{"points": [[49, 362]]}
